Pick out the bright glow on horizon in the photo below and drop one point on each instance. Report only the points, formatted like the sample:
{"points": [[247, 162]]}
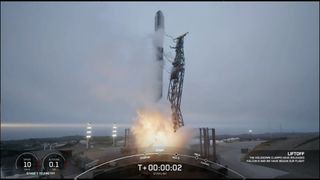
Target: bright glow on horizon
{"points": [[54, 125]]}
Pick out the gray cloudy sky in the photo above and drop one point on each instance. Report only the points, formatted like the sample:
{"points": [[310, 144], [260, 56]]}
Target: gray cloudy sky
{"points": [[248, 65]]}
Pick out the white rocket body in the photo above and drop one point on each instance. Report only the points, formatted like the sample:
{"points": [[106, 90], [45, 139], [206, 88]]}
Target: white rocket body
{"points": [[158, 45]]}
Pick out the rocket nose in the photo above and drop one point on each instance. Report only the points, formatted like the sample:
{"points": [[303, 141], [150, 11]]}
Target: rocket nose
{"points": [[159, 20], [159, 13]]}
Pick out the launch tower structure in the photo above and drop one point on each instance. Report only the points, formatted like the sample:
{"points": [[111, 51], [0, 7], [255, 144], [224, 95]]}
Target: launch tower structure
{"points": [[176, 83]]}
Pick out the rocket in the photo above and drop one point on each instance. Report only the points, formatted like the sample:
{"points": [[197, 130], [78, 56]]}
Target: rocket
{"points": [[159, 21], [158, 45]]}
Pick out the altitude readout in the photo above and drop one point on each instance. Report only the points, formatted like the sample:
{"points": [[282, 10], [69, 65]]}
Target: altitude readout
{"points": [[53, 162], [160, 167]]}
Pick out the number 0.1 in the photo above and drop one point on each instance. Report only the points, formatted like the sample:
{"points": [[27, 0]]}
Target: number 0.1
{"points": [[51, 164]]}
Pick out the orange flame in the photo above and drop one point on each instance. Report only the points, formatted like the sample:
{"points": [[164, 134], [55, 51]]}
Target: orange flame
{"points": [[155, 129]]}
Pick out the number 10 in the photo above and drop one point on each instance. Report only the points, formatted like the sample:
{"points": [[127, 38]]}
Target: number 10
{"points": [[27, 164]]}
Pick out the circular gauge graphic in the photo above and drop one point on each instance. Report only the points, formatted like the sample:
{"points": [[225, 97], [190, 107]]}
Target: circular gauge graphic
{"points": [[27, 162], [53, 162]]}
